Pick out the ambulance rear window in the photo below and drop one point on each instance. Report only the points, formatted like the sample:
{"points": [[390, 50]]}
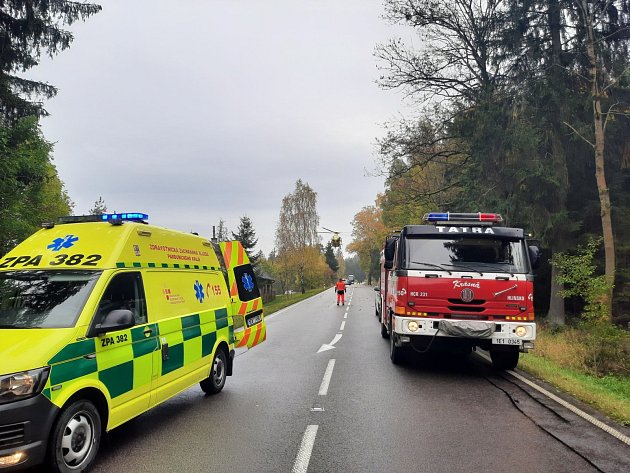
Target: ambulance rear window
{"points": [[43, 299]]}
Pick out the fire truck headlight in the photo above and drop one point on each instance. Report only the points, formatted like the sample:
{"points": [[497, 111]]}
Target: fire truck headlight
{"points": [[520, 331], [412, 326]]}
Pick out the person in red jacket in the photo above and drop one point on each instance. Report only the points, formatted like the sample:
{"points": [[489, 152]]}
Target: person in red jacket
{"points": [[340, 287]]}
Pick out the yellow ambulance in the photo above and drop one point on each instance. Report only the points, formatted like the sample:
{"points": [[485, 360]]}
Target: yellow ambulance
{"points": [[104, 317]]}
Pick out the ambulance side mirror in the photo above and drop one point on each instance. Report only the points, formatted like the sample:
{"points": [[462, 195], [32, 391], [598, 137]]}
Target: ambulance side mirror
{"points": [[534, 256], [118, 319]]}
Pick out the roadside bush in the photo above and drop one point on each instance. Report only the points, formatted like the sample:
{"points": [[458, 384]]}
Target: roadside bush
{"points": [[576, 273], [594, 347]]}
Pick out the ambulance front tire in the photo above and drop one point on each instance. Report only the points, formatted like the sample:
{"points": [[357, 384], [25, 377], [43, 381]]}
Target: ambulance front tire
{"points": [[214, 383], [75, 439]]}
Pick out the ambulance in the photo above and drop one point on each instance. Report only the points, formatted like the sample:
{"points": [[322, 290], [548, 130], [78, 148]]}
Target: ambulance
{"points": [[104, 317]]}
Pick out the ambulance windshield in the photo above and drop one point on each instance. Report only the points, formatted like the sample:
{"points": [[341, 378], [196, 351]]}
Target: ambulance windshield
{"points": [[483, 255], [43, 299]]}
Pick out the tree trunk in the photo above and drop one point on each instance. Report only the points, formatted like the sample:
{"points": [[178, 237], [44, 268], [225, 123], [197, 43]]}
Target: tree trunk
{"points": [[556, 313], [600, 175]]}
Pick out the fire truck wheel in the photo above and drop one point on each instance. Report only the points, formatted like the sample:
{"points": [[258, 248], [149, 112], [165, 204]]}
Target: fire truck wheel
{"points": [[395, 352], [384, 332], [504, 358]]}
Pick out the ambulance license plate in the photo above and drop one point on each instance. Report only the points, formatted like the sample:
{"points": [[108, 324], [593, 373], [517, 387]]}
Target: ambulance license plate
{"points": [[506, 341], [253, 320]]}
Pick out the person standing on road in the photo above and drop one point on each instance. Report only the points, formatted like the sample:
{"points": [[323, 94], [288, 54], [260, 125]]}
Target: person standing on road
{"points": [[340, 287]]}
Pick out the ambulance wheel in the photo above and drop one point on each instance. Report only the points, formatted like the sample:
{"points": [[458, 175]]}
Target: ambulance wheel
{"points": [[504, 358], [75, 438], [214, 383]]}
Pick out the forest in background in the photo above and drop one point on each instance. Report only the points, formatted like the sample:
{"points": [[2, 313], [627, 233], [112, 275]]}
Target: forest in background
{"points": [[521, 108]]}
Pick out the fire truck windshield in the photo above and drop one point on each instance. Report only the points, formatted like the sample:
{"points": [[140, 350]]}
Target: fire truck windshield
{"points": [[466, 254]]}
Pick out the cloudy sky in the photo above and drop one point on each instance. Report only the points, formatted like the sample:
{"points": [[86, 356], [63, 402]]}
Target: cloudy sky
{"points": [[197, 110]]}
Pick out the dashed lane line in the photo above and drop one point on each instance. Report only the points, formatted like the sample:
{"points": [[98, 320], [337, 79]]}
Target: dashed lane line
{"points": [[306, 449], [323, 388]]}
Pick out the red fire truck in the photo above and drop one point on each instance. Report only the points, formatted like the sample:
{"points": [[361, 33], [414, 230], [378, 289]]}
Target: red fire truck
{"points": [[459, 282]]}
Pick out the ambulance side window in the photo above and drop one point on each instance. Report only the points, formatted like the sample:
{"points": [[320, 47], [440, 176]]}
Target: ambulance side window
{"points": [[125, 291]]}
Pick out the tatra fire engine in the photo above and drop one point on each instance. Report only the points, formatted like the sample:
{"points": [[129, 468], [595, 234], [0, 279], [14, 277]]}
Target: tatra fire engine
{"points": [[457, 283]]}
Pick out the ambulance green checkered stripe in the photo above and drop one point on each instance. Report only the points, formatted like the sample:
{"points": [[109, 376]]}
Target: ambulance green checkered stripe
{"points": [[175, 358], [136, 264], [138, 334], [118, 379], [46, 392], [74, 350], [207, 343], [144, 347], [72, 369], [221, 316], [192, 332], [190, 321]]}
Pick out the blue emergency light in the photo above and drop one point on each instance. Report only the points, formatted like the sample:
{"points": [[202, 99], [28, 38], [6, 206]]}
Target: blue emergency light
{"points": [[114, 219], [117, 217], [437, 217]]}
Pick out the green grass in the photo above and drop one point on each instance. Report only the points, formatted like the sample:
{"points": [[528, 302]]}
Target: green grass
{"points": [[609, 394], [282, 301]]}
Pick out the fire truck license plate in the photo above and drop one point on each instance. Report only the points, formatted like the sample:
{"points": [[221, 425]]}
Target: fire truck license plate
{"points": [[506, 341]]}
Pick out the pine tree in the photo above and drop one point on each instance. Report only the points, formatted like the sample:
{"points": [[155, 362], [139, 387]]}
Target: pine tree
{"points": [[247, 236], [331, 261], [99, 207], [29, 28]]}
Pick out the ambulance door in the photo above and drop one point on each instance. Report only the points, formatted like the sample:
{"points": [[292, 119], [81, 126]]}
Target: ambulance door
{"points": [[247, 309], [125, 357], [190, 310]]}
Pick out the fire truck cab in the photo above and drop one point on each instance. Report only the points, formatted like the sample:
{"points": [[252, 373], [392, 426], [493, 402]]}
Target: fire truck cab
{"points": [[457, 283]]}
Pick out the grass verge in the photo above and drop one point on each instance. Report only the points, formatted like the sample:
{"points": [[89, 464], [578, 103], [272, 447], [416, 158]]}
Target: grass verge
{"points": [[609, 394], [282, 301]]}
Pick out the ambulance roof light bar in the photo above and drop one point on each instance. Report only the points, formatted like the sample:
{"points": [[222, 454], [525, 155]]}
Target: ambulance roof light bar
{"points": [[114, 219], [479, 218]]}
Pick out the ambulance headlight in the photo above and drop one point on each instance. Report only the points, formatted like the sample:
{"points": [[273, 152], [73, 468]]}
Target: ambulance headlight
{"points": [[520, 331], [16, 386], [412, 326]]}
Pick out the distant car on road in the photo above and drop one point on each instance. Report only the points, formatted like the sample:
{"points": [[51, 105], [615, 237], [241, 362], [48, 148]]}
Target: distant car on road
{"points": [[350, 280]]}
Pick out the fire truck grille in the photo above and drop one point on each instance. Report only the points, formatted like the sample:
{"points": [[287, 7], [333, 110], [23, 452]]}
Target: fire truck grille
{"points": [[465, 308], [473, 302], [11, 435]]}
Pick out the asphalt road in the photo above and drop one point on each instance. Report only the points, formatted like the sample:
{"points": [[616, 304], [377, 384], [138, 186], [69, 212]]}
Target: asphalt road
{"points": [[282, 412]]}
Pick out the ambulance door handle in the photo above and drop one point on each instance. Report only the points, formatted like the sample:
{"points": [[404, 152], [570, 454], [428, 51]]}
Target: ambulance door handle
{"points": [[148, 332], [164, 351], [91, 356]]}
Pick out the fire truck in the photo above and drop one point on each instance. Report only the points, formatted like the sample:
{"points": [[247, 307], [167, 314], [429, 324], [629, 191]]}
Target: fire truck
{"points": [[459, 282]]}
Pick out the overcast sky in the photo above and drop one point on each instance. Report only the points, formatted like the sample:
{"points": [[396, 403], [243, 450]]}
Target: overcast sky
{"points": [[197, 110]]}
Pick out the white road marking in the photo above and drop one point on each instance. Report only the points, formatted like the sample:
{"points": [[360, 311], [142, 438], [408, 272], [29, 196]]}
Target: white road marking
{"points": [[343, 324], [345, 316], [306, 448], [331, 345], [323, 389], [596, 422]]}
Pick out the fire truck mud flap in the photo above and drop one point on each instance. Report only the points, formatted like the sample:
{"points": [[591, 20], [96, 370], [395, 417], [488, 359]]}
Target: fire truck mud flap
{"points": [[467, 328]]}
